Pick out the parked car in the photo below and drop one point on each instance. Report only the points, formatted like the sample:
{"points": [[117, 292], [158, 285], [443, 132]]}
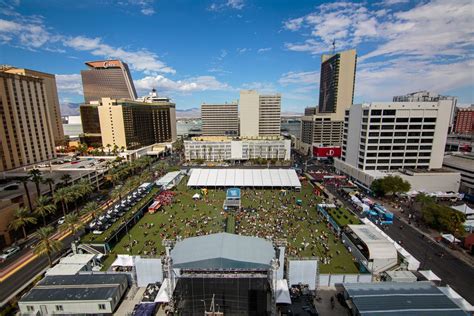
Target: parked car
{"points": [[8, 252], [61, 220]]}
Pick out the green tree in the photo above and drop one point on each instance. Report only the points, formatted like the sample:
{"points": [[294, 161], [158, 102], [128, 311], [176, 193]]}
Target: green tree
{"points": [[46, 245], [389, 185], [50, 182], [44, 207], [73, 223], [36, 178], [66, 178], [24, 181], [63, 196], [21, 218], [91, 208]]}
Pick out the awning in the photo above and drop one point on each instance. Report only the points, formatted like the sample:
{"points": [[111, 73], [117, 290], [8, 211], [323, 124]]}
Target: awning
{"points": [[123, 261], [282, 292], [163, 296], [450, 238], [465, 209], [429, 275]]}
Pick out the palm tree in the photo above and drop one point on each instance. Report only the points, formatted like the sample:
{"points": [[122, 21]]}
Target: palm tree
{"points": [[50, 182], [108, 148], [91, 208], [85, 187], [21, 218], [63, 196], [117, 192], [73, 223], [46, 244], [44, 207], [66, 178], [35, 176], [25, 181]]}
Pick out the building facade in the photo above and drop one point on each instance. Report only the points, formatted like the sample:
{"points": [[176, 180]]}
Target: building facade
{"points": [[464, 164], [396, 135], [90, 125], [323, 125], [107, 79], [260, 115], [51, 98], [464, 121], [220, 119], [426, 96], [227, 148], [26, 133], [131, 125], [336, 89]]}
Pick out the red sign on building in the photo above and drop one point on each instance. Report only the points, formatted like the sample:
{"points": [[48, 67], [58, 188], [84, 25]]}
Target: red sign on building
{"points": [[325, 152]]}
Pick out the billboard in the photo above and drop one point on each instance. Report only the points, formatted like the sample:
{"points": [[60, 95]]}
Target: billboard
{"points": [[325, 152]]}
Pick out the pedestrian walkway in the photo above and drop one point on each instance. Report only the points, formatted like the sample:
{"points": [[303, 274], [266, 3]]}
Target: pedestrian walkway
{"points": [[134, 296], [324, 304]]}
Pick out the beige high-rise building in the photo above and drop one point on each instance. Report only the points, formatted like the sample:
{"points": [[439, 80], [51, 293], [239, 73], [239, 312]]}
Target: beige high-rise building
{"points": [[324, 124], [107, 79], [132, 124], [336, 87], [220, 119], [260, 115], [51, 97], [26, 133]]}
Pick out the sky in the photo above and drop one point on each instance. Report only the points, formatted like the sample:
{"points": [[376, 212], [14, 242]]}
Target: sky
{"points": [[206, 51]]}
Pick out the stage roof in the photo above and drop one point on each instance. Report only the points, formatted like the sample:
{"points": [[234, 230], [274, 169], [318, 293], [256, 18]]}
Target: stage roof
{"points": [[244, 178], [223, 251], [379, 246]]}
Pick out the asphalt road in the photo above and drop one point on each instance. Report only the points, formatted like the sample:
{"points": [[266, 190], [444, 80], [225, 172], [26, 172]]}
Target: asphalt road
{"points": [[16, 281], [452, 270]]}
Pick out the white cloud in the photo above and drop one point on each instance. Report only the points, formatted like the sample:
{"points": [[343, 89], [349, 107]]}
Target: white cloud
{"points": [[193, 84], [71, 83], [141, 60], [30, 35], [262, 87], [393, 2], [304, 78], [243, 50], [263, 50], [382, 80], [229, 4], [145, 6]]}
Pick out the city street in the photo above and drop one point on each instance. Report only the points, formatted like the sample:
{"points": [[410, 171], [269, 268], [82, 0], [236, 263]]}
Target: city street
{"points": [[450, 269]]}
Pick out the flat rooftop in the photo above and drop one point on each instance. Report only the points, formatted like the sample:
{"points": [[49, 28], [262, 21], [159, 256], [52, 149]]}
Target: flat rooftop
{"points": [[460, 161], [229, 138], [75, 287]]}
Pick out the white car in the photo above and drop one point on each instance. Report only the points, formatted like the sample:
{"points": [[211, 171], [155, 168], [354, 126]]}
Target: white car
{"points": [[61, 220], [8, 252], [97, 232]]}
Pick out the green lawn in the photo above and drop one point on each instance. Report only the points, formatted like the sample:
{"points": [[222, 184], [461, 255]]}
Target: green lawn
{"points": [[186, 217], [343, 216]]}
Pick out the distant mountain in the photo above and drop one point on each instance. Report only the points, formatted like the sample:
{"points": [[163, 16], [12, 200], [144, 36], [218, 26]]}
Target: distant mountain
{"points": [[188, 113], [69, 109]]}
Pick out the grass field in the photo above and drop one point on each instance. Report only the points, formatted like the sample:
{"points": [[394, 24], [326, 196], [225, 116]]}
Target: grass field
{"points": [[298, 225], [343, 217]]}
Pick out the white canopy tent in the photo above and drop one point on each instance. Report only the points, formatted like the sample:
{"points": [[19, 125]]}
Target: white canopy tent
{"points": [[162, 296], [450, 238], [271, 178], [149, 270], [282, 292], [196, 196], [124, 261], [465, 209], [303, 271]]}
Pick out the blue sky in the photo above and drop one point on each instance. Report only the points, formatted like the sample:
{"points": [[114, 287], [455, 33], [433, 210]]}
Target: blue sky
{"points": [[206, 51]]}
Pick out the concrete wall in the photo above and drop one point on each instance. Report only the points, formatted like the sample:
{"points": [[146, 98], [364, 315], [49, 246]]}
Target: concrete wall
{"points": [[111, 124], [433, 182]]}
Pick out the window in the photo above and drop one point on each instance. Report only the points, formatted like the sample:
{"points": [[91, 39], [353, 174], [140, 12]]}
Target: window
{"points": [[401, 127], [388, 119], [430, 119], [389, 112], [400, 134], [413, 140], [30, 308], [101, 306], [374, 120], [402, 119], [372, 134], [416, 119], [366, 112], [387, 127], [59, 308], [415, 126], [376, 112], [428, 133]]}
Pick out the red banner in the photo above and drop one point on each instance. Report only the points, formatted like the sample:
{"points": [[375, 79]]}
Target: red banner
{"points": [[325, 152]]}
